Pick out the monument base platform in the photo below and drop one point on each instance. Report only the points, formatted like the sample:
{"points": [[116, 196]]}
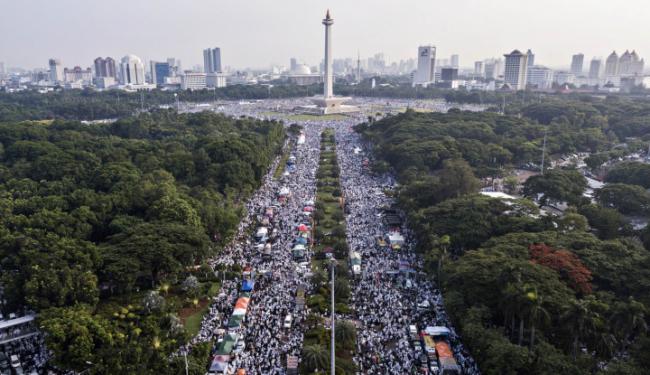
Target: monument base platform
{"points": [[328, 106]]}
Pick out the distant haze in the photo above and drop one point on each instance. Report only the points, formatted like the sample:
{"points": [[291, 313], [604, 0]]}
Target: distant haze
{"points": [[258, 33]]}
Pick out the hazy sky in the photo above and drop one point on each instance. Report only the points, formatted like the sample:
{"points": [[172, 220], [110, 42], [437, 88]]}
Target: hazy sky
{"points": [[257, 33]]}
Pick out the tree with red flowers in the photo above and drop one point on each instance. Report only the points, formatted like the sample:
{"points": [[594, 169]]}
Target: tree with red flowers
{"points": [[565, 263]]}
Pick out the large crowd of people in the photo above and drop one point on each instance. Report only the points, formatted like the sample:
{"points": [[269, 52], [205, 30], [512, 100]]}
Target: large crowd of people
{"points": [[388, 296], [391, 293]]}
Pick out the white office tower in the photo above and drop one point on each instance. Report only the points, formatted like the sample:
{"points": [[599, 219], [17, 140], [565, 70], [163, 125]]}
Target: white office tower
{"points": [[540, 77], [425, 74], [212, 60], [56, 70], [630, 65], [132, 71], [515, 75], [455, 61], [611, 65], [531, 58], [595, 68], [562, 78], [577, 62]]}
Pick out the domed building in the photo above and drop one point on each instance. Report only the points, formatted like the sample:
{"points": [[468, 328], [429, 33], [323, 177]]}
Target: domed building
{"points": [[301, 75], [131, 70], [301, 69]]}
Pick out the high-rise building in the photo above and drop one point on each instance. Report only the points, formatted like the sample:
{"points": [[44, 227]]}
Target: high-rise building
{"points": [[212, 60], [293, 63], [448, 74], [478, 67], [455, 61], [577, 61], [132, 70], [159, 71], [611, 65], [540, 77], [531, 58], [562, 77], [595, 68], [515, 75], [629, 64], [492, 69], [425, 73], [77, 74], [56, 70], [105, 67]]}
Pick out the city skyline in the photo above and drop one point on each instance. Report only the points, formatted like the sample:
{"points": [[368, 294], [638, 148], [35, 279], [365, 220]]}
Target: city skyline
{"points": [[238, 31]]}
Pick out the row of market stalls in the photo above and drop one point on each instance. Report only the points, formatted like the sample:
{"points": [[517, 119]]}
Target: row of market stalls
{"points": [[232, 334], [303, 233]]}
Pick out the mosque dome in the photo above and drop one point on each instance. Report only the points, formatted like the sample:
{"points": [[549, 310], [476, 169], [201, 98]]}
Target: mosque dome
{"points": [[302, 69]]}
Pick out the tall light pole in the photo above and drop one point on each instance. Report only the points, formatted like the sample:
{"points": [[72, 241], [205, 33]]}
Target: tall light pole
{"points": [[544, 149], [333, 343]]}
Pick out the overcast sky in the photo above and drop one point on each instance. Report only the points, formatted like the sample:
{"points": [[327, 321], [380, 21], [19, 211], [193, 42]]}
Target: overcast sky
{"points": [[258, 33]]}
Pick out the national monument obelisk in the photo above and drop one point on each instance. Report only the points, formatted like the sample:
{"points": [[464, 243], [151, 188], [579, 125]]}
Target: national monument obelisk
{"points": [[328, 103]]}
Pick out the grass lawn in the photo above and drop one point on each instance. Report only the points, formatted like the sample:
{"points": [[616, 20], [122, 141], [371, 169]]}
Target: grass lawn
{"points": [[271, 113], [283, 162], [192, 316]]}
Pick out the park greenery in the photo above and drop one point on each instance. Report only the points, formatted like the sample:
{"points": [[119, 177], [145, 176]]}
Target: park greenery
{"points": [[106, 228], [95, 105], [329, 238], [530, 292]]}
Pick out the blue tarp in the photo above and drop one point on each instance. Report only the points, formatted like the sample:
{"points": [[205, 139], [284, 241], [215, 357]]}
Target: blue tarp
{"points": [[301, 240], [248, 285]]}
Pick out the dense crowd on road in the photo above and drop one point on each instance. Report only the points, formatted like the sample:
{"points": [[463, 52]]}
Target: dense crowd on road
{"points": [[391, 293], [386, 298]]}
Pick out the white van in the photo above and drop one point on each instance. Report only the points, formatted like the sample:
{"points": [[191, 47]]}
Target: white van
{"points": [[287, 321]]}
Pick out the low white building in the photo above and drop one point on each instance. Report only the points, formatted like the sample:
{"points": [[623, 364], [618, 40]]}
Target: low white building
{"points": [[215, 80], [193, 81]]}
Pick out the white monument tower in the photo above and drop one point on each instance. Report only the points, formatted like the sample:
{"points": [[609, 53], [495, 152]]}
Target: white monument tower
{"points": [[328, 103], [327, 87]]}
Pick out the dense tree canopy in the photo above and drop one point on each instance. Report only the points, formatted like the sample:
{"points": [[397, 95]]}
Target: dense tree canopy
{"points": [[97, 212], [527, 290]]}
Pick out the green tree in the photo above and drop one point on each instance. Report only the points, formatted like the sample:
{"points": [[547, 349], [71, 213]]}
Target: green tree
{"points": [[346, 333], [315, 357]]}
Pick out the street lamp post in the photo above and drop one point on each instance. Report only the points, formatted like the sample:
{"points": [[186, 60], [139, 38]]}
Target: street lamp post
{"points": [[332, 344]]}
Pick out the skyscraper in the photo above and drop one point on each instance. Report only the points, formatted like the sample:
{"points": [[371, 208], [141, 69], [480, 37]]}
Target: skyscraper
{"points": [[595, 68], [611, 65], [425, 73], [212, 60], [491, 69], [105, 67], [56, 70], [515, 74], [455, 61], [131, 70], [531, 58], [293, 64], [478, 67], [576, 64], [159, 71]]}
